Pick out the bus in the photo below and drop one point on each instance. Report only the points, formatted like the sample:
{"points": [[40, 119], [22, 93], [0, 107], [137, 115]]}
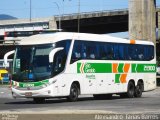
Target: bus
{"points": [[20, 34], [13, 35], [66, 64], [4, 76]]}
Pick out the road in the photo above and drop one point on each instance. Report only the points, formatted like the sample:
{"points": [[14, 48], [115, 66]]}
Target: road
{"points": [[148, 104]]}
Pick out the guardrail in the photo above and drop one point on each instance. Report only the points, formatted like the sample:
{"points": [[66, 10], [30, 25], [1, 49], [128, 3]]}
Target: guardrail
{"points": [[104, 11], [93, 12]]}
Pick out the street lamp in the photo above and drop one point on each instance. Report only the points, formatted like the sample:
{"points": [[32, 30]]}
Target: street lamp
{"points": [[78, 16], [59, 14], [30, 15]]}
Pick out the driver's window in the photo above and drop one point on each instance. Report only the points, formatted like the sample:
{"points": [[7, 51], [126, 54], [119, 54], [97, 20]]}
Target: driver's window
{"points": [[59, 62]]}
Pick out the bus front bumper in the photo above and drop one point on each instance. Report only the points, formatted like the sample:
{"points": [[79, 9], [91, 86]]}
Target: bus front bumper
{"points": [[44, 92]]}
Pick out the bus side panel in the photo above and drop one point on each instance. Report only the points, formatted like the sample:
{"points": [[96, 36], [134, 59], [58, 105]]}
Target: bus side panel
{"points": [[150, 82]]}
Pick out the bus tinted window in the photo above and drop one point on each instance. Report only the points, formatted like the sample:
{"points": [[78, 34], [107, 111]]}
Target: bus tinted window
{"points": [[149, 52], [132, 52], [77, 52], [111, 51], [102, 51], [91, 50]]}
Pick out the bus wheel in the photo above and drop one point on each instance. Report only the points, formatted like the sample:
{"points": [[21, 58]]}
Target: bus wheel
{"points": [[39, 100], [131, 89], [74, 92], [139, 89]]}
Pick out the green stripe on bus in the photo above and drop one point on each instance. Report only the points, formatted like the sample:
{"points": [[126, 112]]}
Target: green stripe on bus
{"points": [[107, 68], [117, 78], [144, 68], [94, 68], [33, 84], [120, 68], [134, 68], [78, 67]]}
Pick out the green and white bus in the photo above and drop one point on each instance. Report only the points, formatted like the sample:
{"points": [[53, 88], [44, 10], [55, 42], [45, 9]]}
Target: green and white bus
{"points": [[64, 64]]}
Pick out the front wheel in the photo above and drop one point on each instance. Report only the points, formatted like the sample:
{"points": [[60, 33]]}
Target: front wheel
{"points": [[74, 92]]}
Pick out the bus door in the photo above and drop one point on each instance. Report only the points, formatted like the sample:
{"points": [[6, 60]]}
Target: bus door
{"points": [[58, 67]]}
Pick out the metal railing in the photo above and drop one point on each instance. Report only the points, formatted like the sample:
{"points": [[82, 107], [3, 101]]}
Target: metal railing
{"points": [[97, 12], [93, 12]]}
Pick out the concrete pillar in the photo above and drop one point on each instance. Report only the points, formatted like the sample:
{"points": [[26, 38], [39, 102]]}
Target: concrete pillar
{"points": [[158, 25], [52, 23], [142, 20]]}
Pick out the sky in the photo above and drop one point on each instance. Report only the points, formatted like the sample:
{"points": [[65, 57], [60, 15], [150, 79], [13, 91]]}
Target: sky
{"points": [[48, 8]]}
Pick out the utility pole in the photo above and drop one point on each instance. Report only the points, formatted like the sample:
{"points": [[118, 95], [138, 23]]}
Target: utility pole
{"points": [[59, 14], [142, 20], [30, 14], [78, 16]]}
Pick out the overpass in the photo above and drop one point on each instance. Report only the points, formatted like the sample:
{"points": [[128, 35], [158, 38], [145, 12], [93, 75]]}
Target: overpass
{"points": [[100, 22], [96, 22], [90, 22]]}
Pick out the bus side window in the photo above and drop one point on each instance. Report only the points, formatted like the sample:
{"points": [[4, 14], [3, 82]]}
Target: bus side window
{"points": [[110, 52], [102, 52], [132, 52], [116, 52], [59, 62], [140, 52], [91, 50], [76, 54], [121, 51], [149, 52]]}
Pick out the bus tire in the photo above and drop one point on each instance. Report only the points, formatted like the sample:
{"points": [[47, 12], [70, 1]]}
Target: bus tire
{"points": [[131, 89], [39, 100], [74, 92], [139, 89]]}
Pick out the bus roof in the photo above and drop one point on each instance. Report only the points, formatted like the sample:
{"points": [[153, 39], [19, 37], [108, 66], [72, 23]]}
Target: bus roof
{"points": [[47, 38]]}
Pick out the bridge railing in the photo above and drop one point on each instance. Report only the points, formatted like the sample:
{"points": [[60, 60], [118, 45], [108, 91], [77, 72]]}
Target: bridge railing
{"points": [[95, 13], [98, 12], [92, 12]]}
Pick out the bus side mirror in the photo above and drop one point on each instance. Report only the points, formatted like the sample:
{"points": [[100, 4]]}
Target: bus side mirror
{"points": [[6, 57], [53, 52]]}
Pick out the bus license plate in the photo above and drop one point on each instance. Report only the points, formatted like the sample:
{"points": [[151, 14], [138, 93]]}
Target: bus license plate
{"points": [[28, 94]]}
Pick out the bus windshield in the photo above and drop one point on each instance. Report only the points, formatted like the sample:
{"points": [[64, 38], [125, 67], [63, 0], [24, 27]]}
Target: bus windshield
{"points": [[31, 63]]}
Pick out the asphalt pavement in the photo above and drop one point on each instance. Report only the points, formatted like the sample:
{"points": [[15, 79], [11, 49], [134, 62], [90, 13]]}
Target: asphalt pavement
{"points": [[85, 108]]}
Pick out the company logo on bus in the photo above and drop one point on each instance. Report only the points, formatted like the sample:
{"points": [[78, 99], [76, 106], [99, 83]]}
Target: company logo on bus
{"points": [[87, 68]]}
